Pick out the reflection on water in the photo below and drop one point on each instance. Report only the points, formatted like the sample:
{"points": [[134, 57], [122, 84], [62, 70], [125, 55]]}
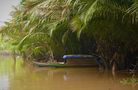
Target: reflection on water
{"points": [[21, 76], [4, 82]]}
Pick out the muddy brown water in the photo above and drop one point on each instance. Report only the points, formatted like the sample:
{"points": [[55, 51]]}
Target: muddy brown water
{"points": [[21, 76]]}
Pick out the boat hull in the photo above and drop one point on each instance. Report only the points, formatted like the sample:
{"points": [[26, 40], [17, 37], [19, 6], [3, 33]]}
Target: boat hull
{"points": [[57, 65]]}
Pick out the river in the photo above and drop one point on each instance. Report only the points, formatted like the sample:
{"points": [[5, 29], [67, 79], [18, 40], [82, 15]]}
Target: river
{"points": [[21, 76]]}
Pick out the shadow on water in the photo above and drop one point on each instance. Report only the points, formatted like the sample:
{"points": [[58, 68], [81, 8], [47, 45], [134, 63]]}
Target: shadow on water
{"points": [[17, 75]]}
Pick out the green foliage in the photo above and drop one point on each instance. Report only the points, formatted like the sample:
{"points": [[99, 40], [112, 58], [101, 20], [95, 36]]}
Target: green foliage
{"points": [[54, 25], [133, 10], [129, 81]]}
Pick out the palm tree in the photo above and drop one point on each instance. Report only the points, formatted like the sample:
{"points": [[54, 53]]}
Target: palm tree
{"points": [[36, 30], [104, 20], [53, 25]]}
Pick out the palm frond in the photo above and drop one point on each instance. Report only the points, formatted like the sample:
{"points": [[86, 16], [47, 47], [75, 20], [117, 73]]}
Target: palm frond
{"points": [[133, 11], [29, 39]]}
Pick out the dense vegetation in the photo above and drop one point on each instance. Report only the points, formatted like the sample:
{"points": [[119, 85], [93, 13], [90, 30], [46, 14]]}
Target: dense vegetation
{"points": [[44, 29]]}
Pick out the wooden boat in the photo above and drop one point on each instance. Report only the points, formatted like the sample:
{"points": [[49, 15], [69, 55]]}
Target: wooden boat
{"points": [[58, 65], [87, 61]]}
